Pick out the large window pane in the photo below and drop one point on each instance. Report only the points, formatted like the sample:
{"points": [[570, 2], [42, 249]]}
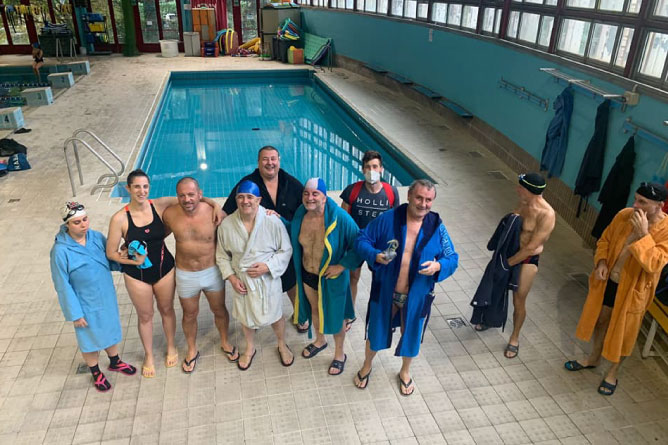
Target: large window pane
{"points": [[624, 47], [411, 9], [513, 23], [661, 8], [360, 5], [118, 17], [540, 2], [602, 42], [612, 5], [529, 27], [423, 10], [488, 20], [573, 36], [382, 6], [398, 7], [350, 4], [370, 5], [497, 22], [149, 21], [551, 2], [634, 6], [438, 11], [454, 15], [581, 3], [18, 31], [470, 17], [170, 30], [654, 54], [545, 31]]}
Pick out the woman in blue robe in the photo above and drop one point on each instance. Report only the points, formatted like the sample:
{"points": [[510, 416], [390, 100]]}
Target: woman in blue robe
{"points": [[81, 275]]}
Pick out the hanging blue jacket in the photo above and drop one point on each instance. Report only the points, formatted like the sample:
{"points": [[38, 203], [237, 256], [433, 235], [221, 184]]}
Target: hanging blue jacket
{"points": [[432, 244], [490, 302], [556, 139], [83, 281]]}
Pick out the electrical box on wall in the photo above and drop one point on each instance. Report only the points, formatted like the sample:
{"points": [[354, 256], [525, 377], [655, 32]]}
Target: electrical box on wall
{"points": [[631, 97]]}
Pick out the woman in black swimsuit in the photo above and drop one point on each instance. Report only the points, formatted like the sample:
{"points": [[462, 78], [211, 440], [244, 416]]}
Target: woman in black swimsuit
{"points": [[140, 220], [38, 59]]}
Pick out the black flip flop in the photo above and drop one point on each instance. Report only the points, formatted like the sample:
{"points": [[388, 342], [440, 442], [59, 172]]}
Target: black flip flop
{"points": [[515, 349], [249, 363], [281, 357], [406, 385], [312, 350], [574, 365], [363, 379], [301, 330], [231, 353], [192, 361], [480, 328], [338, 364], [609, 386], [349, 323]]}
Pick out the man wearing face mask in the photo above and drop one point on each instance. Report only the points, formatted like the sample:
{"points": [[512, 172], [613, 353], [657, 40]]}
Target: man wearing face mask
{"points": [[365, 201]]}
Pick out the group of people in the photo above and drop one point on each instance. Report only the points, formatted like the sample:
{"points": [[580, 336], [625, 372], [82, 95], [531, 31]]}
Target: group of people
{"points": [[276, 235]]}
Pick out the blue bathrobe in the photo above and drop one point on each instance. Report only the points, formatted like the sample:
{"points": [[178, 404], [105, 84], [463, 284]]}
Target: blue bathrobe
{"points": [[82, 278], [334, 297], [433, 243]]}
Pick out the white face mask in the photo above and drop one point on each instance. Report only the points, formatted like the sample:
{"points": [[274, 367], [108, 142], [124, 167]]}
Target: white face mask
{"points": [[372, 176]]}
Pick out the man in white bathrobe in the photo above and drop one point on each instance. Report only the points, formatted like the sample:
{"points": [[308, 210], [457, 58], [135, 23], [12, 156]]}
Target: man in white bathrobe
{"points": [[253, 252]]}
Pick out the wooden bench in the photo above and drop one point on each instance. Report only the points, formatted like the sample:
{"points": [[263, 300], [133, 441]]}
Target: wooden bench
{"points": [[659, 313]]}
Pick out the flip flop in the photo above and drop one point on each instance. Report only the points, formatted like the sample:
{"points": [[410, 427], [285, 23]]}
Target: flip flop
{"points": [[192, 361], [171, 360], [249, 363], [607, 386], [231, 353], [101, 383], [148, 372], [349, 323], [406, 386], [281, 357], [363, 379], [123, 368], [338, 364], [480, 327], [312, 350], [574, 365], [515, 349]]}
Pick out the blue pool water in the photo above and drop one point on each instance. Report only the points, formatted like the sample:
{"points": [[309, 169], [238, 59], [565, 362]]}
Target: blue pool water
{"points": [[210, 125]]}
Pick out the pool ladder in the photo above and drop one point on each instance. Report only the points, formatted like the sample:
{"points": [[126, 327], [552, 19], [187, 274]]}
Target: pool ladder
{"points": [[102, 180]]}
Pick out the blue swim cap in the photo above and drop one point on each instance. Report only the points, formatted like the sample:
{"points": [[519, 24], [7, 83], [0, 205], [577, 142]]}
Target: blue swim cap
{"points": [[317, 184], [248, 187]]}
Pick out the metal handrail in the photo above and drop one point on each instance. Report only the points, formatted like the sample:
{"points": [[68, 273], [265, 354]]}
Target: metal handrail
{"points": [[115, 175]]}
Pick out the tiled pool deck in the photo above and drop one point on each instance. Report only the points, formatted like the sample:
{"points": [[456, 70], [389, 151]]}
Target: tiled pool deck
{"points": [[467, 392]]}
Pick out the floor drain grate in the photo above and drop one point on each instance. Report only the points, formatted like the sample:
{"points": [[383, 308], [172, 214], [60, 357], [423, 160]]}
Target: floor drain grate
{"points": [[581, 278], [497, 174], [457, 322], [442, 149], [82, 368], [475, 154], [14, 200]]}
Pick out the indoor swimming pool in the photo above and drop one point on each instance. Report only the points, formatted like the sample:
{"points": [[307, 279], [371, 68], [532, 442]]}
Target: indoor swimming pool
{"points": [[210, 125]]}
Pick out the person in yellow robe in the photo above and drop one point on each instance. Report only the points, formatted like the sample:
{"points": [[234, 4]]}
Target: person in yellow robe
{"points": [[629, 258]]}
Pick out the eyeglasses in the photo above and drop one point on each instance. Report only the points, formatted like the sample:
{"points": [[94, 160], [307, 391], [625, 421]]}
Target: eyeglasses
{"points": [[73, 207]]}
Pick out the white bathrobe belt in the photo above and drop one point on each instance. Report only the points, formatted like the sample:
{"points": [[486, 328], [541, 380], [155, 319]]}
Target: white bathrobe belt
{"points": [[255, 289]]}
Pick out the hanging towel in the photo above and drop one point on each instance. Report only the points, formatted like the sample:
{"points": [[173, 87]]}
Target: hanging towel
{"points": [[556, 139], [591, 169], [615, 191]]}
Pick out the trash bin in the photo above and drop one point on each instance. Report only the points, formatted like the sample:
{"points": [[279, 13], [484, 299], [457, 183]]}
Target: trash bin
{"points": [[169, 48]]}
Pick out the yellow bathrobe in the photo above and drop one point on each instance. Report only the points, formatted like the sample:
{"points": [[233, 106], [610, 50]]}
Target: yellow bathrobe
{"points": [[637, 284]]}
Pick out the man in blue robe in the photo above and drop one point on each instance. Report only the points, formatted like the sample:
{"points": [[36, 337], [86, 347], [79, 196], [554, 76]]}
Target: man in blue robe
{"points": [[323, 237], [402, 288]]}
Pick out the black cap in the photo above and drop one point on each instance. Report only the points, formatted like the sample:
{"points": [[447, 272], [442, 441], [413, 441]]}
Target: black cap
{"points": [[533, 182], [652, 191]]}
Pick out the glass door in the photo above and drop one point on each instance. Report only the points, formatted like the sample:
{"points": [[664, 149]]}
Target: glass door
{"points": [[148, 21], [170, 20], [18, 26], [248, 20]]}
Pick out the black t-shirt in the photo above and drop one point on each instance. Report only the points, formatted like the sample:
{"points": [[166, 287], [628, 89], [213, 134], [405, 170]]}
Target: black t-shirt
{"points": [[368, 206], [288, 195]]}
